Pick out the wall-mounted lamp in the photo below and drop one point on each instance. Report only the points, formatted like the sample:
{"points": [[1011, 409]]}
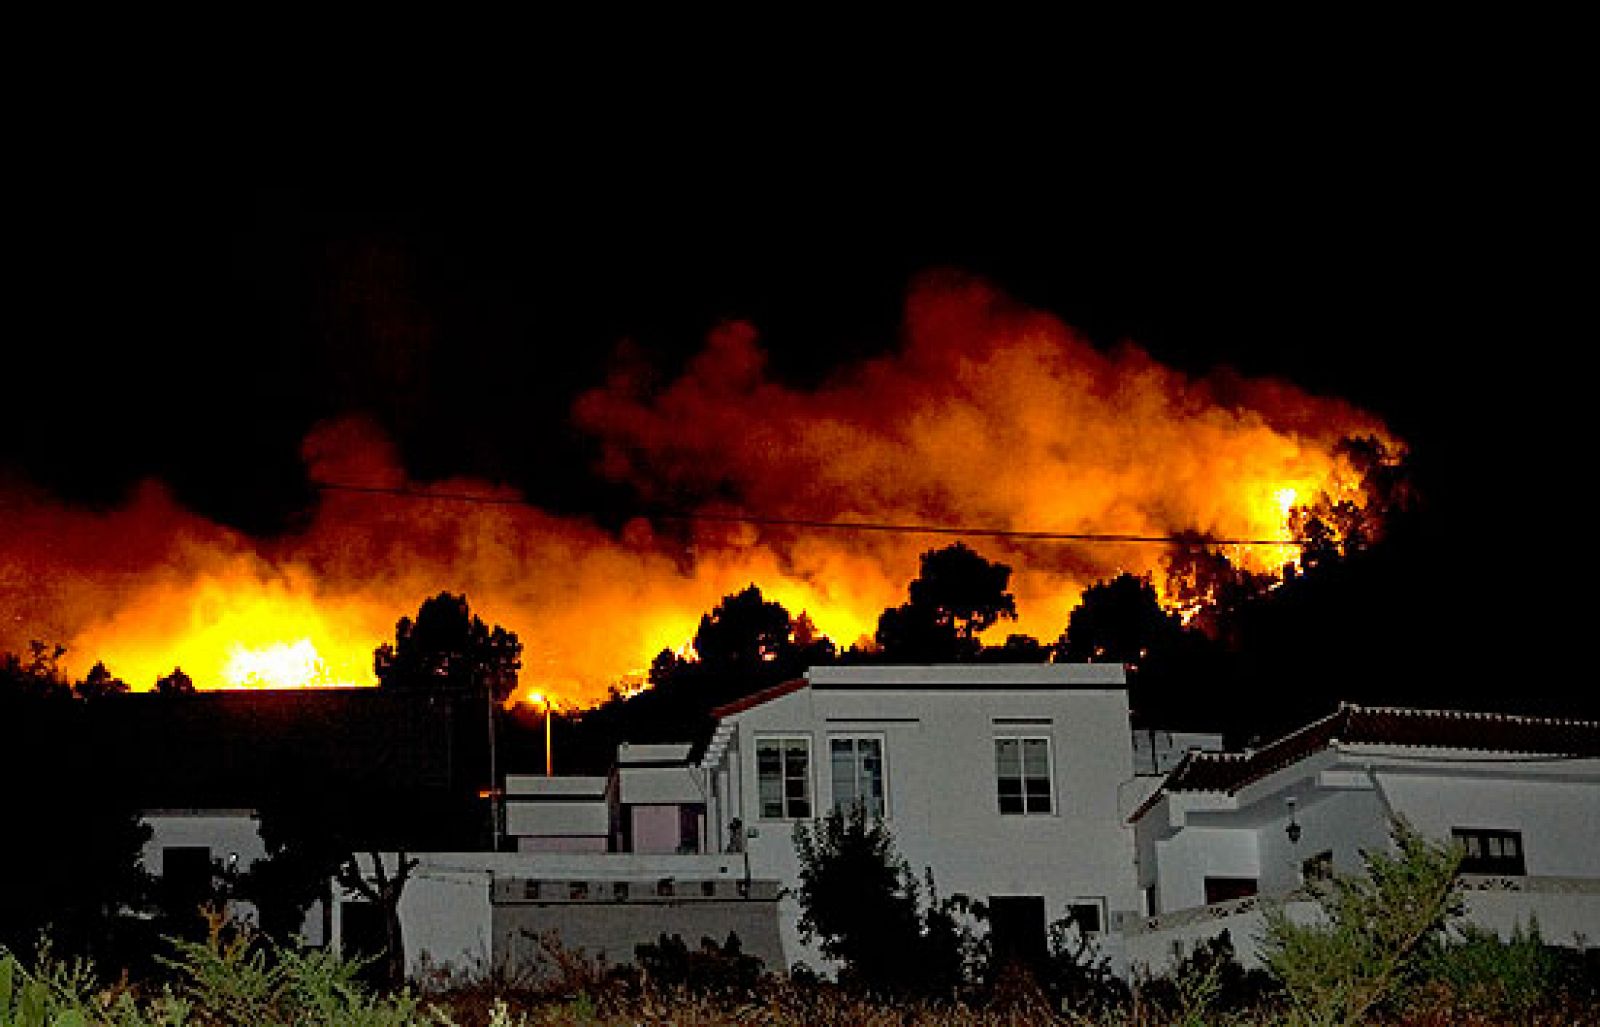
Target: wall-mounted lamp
{"points": [[1292, 829]]}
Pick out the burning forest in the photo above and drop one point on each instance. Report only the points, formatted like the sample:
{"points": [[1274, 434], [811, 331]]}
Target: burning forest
{"points": [[989, 417]]}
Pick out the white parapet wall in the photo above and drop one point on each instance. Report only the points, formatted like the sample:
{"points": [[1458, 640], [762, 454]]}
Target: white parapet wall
{"points": [[448, 906], [1565, 910]]}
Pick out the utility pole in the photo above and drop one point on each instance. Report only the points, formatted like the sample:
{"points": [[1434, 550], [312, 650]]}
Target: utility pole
{"points": [[494, 780]]}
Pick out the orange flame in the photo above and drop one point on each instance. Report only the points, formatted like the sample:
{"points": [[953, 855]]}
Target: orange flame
{"points": [[991, 415]]}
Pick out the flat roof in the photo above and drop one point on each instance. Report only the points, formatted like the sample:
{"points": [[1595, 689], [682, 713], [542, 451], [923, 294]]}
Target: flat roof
{"points": [[531, 785], [629, 753], [970, 675]]}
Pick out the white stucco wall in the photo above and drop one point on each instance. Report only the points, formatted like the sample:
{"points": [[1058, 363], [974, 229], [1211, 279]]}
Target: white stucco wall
{"points": [[1187, 858], [225, 833], [222, 831], [1559, 817], [1345, 823], [446, 907], [940, 782]]}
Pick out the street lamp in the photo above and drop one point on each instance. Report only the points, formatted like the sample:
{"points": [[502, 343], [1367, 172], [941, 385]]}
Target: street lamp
{"points": [[494, 771], [536, 697]]}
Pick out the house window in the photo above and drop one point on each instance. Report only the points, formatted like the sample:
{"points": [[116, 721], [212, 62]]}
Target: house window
{"points": [[1226, 889], [783, 771], [1318, 867], [1490, 852], [857, 764], [1022, 772], [1087, 915]]}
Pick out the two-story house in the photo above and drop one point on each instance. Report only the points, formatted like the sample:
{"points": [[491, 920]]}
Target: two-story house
{"points": [[1002, 780]]}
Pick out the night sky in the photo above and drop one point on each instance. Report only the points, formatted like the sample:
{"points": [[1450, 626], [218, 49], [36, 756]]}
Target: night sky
{"points": [[188, 315]]}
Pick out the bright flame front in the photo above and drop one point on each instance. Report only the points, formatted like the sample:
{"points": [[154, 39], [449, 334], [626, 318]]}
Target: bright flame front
{"points": [[989, 416]]}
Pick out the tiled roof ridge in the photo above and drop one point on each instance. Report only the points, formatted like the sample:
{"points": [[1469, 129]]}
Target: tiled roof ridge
{"points": [[1486, 715], [1234, 770], [1257, 763], [764, 695]]}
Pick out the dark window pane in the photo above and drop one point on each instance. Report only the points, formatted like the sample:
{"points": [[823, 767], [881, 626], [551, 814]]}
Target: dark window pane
{"points": [[1224, 889]]}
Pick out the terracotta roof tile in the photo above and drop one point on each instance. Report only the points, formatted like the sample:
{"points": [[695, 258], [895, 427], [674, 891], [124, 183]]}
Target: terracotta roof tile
{"points": [[1438, 729], [757, 698]]}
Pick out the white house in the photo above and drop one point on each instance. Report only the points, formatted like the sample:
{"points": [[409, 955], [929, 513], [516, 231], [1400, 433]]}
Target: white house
{"points": [[659, 800], [195, 854], [1002, 779], [1227, 831], [557, 814], [604, 863]]}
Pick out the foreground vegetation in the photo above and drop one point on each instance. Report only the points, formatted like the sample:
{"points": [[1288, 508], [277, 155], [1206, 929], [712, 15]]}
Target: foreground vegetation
{"points": [[238, 982], [1388, 951]]}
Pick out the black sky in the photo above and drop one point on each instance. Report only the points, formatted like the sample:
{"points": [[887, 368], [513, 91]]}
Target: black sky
{"points": [[187, 310], [193, 328]]}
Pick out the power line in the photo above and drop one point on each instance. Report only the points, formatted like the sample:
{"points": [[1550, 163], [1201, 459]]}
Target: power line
{"points": [[870, 526]]}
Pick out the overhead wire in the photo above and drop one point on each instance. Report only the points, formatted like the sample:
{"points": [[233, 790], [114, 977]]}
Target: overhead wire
{"points": [[1023, 535]]}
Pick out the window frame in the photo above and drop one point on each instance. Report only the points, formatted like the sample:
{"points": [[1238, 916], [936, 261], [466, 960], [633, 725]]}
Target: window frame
{"points": [[1485, 864], [883, 766], [1229, 888], [1317, 868], [1095, 902], [779, 739], [1050, 774]]}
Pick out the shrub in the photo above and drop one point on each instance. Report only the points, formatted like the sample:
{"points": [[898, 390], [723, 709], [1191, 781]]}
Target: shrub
{"points": [[1477, 972], [719, 970], [859, 898], [1076, 975], [1206, 978], [1340, 971], [230, 978]]}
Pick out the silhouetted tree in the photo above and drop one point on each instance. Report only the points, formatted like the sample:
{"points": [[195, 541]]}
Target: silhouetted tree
{"points": [[1201, 580], [1118, 621], [99, 683], [1175, 674], [448, 648], [319, 834], [744, 644], [1332, 527], [860, 901], [73, 835], [957, 595], [1017, 649], [810, 648], [176, 683], [744, 631]]}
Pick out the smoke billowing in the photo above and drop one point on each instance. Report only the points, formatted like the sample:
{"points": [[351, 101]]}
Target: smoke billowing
{"points": [[987, 415]]}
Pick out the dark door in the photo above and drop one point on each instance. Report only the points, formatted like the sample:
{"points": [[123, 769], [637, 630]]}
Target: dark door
{"points": [[1017, 930]]}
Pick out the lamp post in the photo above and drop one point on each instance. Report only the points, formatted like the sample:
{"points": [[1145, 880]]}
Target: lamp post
{"points": [[494, 782], [549, 764]]}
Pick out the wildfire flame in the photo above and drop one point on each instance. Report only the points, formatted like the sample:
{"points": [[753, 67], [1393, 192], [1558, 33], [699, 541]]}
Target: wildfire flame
{"points": [[990, 415]]}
